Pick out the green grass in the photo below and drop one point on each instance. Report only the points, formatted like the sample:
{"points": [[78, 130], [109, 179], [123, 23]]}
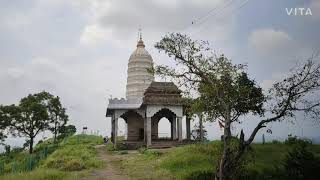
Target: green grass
{"points": [[191, 160], [75, 154], [69, 158], [185, 161]]}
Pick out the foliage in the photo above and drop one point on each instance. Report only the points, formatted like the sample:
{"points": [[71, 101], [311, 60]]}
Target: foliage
{"points": [[65, 131], [300, 163], [29, 118], [293, 140], [57, 115], [34, 114]]}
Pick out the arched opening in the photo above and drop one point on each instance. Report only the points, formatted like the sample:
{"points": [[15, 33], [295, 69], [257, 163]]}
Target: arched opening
{"points": [[167, 128], [164, 130], [135, 126], [122, 129]]}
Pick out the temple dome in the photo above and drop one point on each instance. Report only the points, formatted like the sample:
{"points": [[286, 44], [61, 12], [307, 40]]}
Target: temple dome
{"points": [[140, 51], [139, 76]]}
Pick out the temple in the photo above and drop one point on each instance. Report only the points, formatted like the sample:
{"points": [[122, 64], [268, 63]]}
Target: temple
{"points": [[146, 102]]}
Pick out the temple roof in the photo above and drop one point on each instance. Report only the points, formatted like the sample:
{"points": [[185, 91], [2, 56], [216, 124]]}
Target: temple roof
{"points": [[162, 93], [162, 88]]}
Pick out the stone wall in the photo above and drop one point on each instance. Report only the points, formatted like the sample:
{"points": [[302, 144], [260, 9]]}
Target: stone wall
{"points": [[135, 125]]}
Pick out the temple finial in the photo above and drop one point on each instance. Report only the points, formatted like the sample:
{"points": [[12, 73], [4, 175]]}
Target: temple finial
{"points": [[140, 33]]}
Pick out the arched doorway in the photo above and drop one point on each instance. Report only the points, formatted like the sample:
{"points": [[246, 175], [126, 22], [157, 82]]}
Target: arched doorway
{"points": [[168, 118], [164, 128]]}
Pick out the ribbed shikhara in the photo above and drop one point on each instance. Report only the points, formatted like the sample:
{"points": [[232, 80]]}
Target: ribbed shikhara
{"points": [[139, 75]]}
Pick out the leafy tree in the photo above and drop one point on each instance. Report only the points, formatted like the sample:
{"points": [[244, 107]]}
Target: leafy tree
{"points": [[57, 115], [29, 118], [4, 123], [66, 131], [225, 92]]}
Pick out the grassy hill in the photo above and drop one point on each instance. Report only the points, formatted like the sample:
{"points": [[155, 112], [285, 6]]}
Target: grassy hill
{"points": [[76, 157], [70, 159]]}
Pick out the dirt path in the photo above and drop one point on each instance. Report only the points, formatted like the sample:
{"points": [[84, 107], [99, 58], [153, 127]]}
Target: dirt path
{"points": [[108, 172]]}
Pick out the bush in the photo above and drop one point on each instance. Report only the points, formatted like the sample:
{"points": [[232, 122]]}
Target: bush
{"points": [[292, 140], [301, 163]]}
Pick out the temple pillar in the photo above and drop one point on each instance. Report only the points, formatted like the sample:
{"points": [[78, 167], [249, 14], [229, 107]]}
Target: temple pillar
{"points": [[174, 128], [148, 131], [179, 122], [115, 130], [188, 128], [112, 129]]}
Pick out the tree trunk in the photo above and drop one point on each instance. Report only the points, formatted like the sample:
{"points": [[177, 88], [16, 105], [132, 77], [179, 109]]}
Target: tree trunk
{"points": [[201, 127], [223, 171], [31, 146], [55, 134], [55, 130]]}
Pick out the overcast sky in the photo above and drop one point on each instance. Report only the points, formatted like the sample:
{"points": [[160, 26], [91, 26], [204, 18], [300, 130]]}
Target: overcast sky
{"points": [[79, 49]]}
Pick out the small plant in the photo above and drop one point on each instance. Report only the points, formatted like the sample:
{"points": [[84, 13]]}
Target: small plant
{"points": [[110, 147], [142, 150]]}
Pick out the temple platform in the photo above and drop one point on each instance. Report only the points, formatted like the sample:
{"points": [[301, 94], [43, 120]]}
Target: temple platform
{"points": [[156, 144]]}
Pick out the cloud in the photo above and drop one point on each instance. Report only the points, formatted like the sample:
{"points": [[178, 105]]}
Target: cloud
{"points": [[119, 21], [95, 34], [270, 41]]}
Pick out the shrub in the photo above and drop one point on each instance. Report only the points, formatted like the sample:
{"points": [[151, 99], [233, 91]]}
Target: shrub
{"points": [[301, 163], [291, 140]]}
